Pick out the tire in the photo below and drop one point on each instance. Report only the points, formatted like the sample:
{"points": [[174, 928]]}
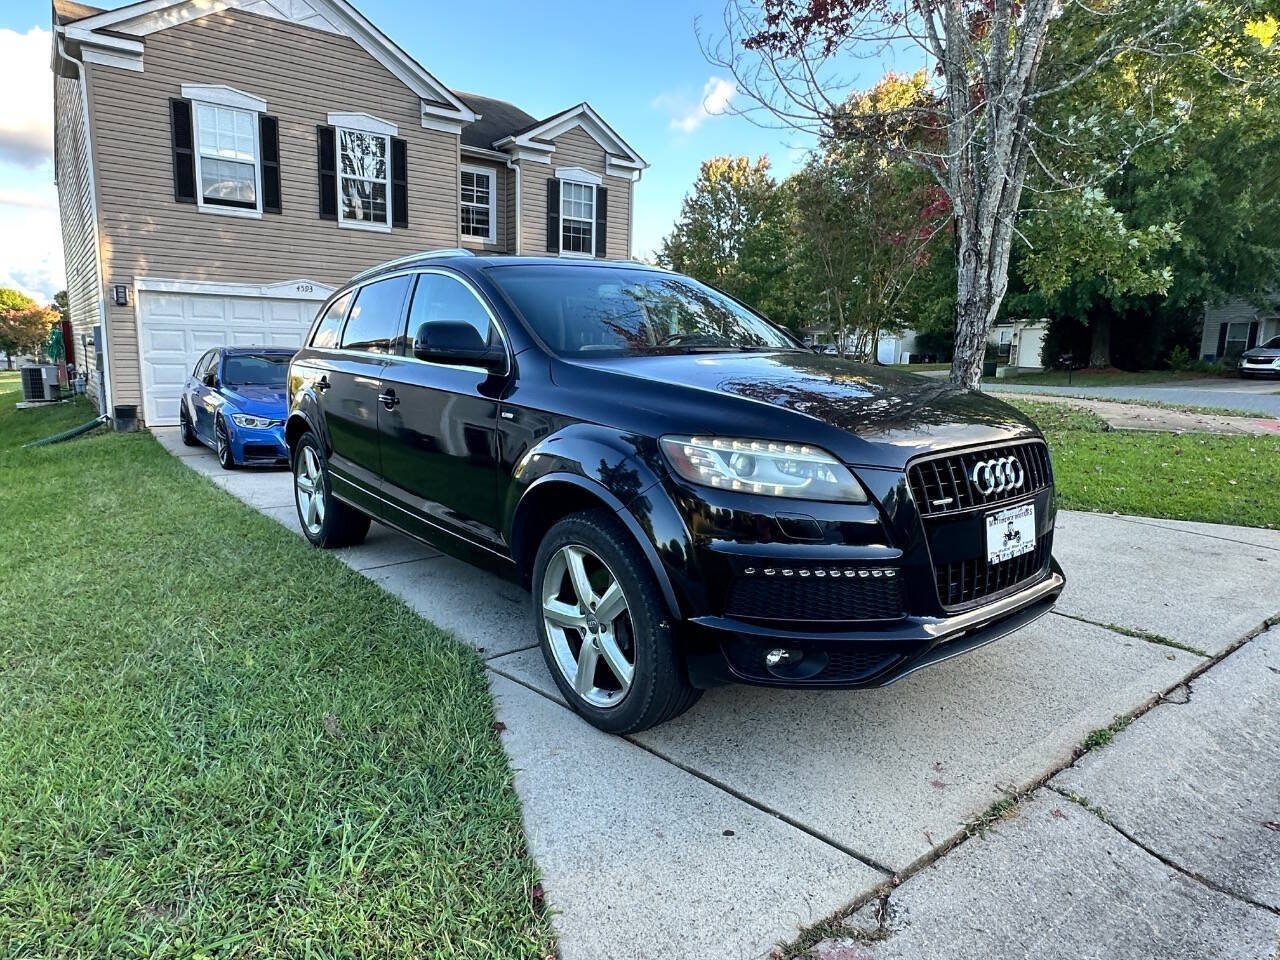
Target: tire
{"points": [[187, 432], [334, 524], [642, 633], [222, 445]]}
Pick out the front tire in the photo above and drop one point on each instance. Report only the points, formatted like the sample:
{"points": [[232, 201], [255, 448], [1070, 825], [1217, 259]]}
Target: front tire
{"points": [[604, 627], [222, 444], [326, 521]]}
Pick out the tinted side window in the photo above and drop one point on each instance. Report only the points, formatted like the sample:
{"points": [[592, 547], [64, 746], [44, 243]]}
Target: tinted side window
{"points": [[442, 298], [326, 334], [198, 370], [376, 317]]}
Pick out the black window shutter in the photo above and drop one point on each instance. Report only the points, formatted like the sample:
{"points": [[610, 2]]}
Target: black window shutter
{"points": [[1222, 341], [327, 168], [184, 155], [602, 222], [399, 183], [553, 215], [1253, 335], [269, 138]]}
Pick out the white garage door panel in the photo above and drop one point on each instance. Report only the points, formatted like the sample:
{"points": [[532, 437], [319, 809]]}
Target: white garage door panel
{"points": [[176, 328]]}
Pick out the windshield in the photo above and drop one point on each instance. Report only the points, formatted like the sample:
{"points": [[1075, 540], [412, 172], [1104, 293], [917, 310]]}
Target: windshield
{"points": [[1272, 344], [580, 311], [256, 369]]}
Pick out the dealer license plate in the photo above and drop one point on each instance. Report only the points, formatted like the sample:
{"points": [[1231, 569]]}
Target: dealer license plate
{"points": [[1011, 533]]}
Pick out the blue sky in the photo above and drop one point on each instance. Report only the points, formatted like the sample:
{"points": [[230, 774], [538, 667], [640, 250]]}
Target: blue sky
{"points": [[640, 66]]}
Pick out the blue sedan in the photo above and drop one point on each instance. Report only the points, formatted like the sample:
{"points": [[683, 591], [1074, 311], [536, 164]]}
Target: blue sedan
{"points": [[235, 401]]}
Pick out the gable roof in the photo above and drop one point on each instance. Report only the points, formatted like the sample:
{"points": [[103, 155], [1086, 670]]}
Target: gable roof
{"points": [[539, 134], [498, 119], [143, 17]]}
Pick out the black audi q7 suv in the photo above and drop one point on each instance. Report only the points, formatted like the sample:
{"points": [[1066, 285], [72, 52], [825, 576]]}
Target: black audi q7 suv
{"points": [[691, 496]]}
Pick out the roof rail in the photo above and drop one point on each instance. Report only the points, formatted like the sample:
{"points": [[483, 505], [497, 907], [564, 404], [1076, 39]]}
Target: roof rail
{"points": [[411, 258]]}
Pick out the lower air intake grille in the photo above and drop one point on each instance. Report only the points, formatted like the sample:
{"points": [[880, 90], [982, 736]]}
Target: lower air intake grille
{"points": [[814, 600], [969, 580]]}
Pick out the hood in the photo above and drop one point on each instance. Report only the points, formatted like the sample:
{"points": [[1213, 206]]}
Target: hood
{"points": [[861, 413], [259, 401], [1262, 353]]}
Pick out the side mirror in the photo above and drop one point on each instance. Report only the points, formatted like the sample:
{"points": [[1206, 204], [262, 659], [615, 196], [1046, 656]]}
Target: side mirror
{"points": [[447, 341]]}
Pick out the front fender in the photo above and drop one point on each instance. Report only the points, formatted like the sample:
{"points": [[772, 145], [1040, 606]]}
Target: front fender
{"points": [[624, 472]]}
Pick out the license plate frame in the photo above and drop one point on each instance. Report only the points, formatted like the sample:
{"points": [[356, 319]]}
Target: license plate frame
{"points": [[1010, 532]]}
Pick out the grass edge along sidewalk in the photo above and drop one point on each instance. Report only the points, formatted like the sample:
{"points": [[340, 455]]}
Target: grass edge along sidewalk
{"points": [[216, 742]]}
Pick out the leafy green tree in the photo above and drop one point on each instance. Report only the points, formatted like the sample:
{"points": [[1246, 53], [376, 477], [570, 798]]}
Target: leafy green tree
{"points": [[732, 234]]}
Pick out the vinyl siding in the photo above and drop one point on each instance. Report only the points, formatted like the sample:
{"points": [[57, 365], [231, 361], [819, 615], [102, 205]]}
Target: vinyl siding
{"points": [[1235, 311], [574, 148], [303, 74], [500, 176], [79, 224]]}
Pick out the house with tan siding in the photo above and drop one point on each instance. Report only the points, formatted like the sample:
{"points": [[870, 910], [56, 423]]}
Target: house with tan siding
{"points": [[223, 165]]}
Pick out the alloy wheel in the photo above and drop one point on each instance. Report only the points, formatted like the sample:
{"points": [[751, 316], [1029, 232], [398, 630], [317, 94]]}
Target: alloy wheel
{"points": [[589, 626], [223, 441], [309, 489]]}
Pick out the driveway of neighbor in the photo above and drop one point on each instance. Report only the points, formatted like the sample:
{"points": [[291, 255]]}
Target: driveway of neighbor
{"points": [[1257, 396], [761, 812]]}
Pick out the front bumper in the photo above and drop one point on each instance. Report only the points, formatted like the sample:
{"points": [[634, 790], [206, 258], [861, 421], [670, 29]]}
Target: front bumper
{"points": [[723, 650], [254, 446]]}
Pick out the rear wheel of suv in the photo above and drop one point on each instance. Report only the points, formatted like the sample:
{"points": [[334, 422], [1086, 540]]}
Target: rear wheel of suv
{"points": [[326, 521], [604, 627]]}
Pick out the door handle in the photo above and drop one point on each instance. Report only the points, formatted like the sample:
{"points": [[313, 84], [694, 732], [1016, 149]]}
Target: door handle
{"points": [[388, 399], [323, 384]]}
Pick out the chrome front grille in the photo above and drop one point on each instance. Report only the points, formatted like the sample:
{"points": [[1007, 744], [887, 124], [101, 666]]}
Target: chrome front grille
{"points": [[945, 484]]}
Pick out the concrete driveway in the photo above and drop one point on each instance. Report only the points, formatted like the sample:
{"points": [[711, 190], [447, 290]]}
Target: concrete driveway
{"points": [[759, 813]]}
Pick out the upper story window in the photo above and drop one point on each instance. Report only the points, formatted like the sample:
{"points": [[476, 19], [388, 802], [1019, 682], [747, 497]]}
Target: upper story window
{"points": [[478, 218], [364, 178], [577, 218], [227, 156]]}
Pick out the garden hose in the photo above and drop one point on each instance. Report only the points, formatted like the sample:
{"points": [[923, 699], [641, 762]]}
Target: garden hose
{"points": [[68, 434]]}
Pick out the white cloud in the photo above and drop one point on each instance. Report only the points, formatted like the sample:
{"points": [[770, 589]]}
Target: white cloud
{"points": [[687, 116], [30, 240], [26, 98]]}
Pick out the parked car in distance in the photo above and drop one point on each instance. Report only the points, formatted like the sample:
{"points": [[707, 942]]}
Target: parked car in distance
{"points": [[691, 496], [235, 402], [1261, 361]]}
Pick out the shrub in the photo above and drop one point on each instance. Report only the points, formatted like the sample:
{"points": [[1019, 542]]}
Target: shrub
{"points": [[1179, 358]]}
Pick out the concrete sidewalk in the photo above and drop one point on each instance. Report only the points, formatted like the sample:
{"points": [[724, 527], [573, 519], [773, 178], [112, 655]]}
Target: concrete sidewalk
{"points": [[762, 812]]}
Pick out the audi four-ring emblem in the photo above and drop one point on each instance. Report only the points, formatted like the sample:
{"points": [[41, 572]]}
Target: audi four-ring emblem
{"points": [[998, 475]]}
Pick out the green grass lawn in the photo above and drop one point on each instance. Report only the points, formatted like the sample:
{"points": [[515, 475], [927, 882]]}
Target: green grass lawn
{"points": [[1216, 479], [920, 367], [1098, 378], [216, 742]]}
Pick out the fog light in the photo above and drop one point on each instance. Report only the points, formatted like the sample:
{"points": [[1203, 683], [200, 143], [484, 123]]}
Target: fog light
{"points": [[781, 657]]}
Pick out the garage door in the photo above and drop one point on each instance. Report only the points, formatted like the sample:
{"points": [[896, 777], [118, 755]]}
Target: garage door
{"points": [[176, 328]]}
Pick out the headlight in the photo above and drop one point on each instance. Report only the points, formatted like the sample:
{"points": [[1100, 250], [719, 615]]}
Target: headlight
{"points": [[256, 423], [767, 467]]}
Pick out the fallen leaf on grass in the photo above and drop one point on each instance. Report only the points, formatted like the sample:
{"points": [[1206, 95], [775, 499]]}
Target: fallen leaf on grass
{"points": [[331, 726], [499, 726]]}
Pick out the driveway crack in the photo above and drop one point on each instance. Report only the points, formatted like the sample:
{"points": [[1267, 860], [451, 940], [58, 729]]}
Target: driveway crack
{"points": [[1204, 881]]}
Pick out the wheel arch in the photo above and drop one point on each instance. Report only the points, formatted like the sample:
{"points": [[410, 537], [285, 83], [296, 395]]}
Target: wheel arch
{"points": [[554, 496]]}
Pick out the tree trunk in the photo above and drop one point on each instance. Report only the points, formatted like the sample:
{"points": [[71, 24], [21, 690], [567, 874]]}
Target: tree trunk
{"points": [[1100, 350]]}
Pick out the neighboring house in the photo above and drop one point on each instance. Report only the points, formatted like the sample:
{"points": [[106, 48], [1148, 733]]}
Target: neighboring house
{"points": [[1235, 327], [1019, 343], [223, 165]]}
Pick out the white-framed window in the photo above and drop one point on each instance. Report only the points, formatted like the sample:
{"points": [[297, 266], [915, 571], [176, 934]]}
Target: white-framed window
{"points": [[477, 190], [1237, 340], [228, 159], [364, 179], [577, 219]]}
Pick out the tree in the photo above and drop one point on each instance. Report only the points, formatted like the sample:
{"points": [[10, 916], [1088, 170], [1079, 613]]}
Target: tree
{"points": [[24, 324], [1191, 219], [978, 129], [731, 234], [62, 303], [864, 228]]}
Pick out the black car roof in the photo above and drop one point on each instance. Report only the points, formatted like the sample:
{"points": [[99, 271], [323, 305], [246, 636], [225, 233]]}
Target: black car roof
{"points": [[467, 262]]}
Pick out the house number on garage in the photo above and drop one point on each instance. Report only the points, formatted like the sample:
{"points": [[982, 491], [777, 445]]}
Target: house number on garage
{"points": [[305, 288]]}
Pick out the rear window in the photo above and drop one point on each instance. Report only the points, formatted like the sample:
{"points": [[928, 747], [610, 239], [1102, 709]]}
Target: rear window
{"points": [[326, 334], [377, 316]]}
